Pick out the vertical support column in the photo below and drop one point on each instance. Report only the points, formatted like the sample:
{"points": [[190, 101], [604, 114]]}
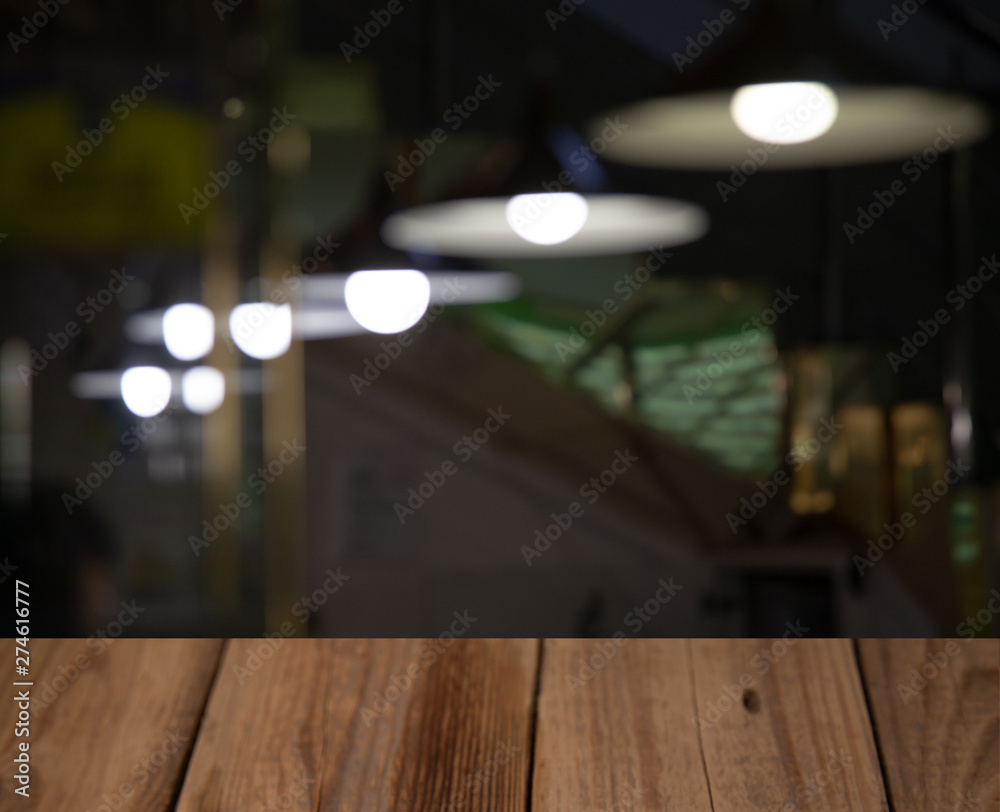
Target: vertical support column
{"points": [[285, 559], [966, 530], [283, 406], [222, 451], [831, 258], [15, 423]]}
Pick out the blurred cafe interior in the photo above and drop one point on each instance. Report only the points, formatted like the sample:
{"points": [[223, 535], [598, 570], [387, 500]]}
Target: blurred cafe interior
{"points": [[561, 318]]}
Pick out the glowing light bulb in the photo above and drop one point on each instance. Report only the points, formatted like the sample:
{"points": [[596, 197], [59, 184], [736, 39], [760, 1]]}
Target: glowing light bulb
{"points": [[262, 330], [146, 390], [188, 331], [203, 389], [547, 219], [784, 112], [387, 301]]}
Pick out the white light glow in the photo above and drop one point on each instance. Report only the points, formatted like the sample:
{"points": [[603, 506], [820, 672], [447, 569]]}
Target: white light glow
{"points": [[96, 385], [387, 301], [263, 330], [203, 389], [784, 112], [480, 227], [146, 390], [145, 327], [476, 286], [547, 219], [188, 331]]}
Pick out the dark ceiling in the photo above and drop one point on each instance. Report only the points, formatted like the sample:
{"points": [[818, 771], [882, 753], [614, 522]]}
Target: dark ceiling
{"points": [[780, 229]]}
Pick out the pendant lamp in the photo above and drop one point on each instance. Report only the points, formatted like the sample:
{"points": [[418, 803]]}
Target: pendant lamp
{"points": [[546, 224], [788, 91]]}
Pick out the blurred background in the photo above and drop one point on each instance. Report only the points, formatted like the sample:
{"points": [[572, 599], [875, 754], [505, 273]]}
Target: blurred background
{"points": [[778, 429]]}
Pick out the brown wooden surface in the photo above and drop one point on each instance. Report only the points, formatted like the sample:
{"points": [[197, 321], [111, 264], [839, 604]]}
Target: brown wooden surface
{"points": [[509, 725], [801, 740], [621, 733], [939, 744], [303, 714], [133, 700]]}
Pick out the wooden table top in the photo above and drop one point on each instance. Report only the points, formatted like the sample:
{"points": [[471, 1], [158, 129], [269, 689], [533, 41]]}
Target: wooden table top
{"points": [[509, 725]]}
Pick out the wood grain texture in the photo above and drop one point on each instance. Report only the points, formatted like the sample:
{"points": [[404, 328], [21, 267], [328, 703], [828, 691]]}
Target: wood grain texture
{"points": [[615, 728], [112, 721], [323, 725], [368, 724], [937, 719], [795, 734]]}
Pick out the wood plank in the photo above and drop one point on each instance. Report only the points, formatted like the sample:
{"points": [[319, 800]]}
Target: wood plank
{"points": [[113, 721], [937, 719], [308, 726], [789, 734], [618, 733]]}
